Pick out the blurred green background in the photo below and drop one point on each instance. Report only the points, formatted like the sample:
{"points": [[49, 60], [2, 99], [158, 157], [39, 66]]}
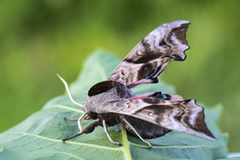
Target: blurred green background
{"points": [[39, 39]]}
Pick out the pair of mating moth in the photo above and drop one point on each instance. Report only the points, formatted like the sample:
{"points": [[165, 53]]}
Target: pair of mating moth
{"points": [[149, 115]]}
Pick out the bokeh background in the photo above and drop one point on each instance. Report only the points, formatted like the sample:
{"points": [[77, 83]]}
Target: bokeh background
{"points": [[39, 39]]}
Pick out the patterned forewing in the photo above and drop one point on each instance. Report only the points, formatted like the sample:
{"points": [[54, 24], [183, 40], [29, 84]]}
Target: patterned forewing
{"points": [[151, 55]]}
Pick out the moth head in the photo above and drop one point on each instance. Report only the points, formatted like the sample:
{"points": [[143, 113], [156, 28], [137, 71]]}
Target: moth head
{"points": [[91, 115]]}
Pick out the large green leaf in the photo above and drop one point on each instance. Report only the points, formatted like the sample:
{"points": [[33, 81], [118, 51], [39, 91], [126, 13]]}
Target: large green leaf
{"points": [[40, 135]]}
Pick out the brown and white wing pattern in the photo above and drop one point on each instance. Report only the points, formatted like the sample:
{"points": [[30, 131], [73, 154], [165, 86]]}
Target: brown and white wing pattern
{"points": [[151, 55], [183, 116]]}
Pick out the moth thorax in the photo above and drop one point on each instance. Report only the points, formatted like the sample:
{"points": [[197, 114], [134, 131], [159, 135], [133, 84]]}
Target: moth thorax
{"points": [[110, 87]]}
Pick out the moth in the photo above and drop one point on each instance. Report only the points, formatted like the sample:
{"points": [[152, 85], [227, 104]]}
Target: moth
{"points": [[149, 115]]}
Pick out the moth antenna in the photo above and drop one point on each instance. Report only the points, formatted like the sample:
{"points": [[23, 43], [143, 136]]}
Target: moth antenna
{"points": [[107, 133], [69, 93], [133, 129]]}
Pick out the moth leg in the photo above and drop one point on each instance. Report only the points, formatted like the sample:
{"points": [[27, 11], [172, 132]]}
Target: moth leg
{"points": [[75, 135], [107, 133], [69, 93], [150, 146], [86, 130], [80, 121]]}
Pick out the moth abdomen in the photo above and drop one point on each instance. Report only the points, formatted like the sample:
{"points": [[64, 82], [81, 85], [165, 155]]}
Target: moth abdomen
{"points": [[144, 129], [110, 118]]}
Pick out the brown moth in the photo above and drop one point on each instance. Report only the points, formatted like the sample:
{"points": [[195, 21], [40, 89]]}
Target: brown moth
{"points": [[149, 115]]}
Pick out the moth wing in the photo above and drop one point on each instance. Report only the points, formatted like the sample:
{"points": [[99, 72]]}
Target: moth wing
{"points": [[151, 55], [183, 116]]}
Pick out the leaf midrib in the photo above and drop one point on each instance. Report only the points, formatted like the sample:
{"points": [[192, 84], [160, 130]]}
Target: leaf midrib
{"points": [[60, 141]]}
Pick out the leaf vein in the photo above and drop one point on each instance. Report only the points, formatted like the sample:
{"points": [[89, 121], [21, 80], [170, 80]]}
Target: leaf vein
{"points": [[67, 108], [60, 141]]}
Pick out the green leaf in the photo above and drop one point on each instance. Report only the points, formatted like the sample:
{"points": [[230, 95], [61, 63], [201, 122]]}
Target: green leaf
{"points": [[40, 135]]}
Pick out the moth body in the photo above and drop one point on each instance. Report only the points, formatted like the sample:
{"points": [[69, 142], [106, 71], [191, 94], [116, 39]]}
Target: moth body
{"points": [[149, 115], [111, 91]]}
